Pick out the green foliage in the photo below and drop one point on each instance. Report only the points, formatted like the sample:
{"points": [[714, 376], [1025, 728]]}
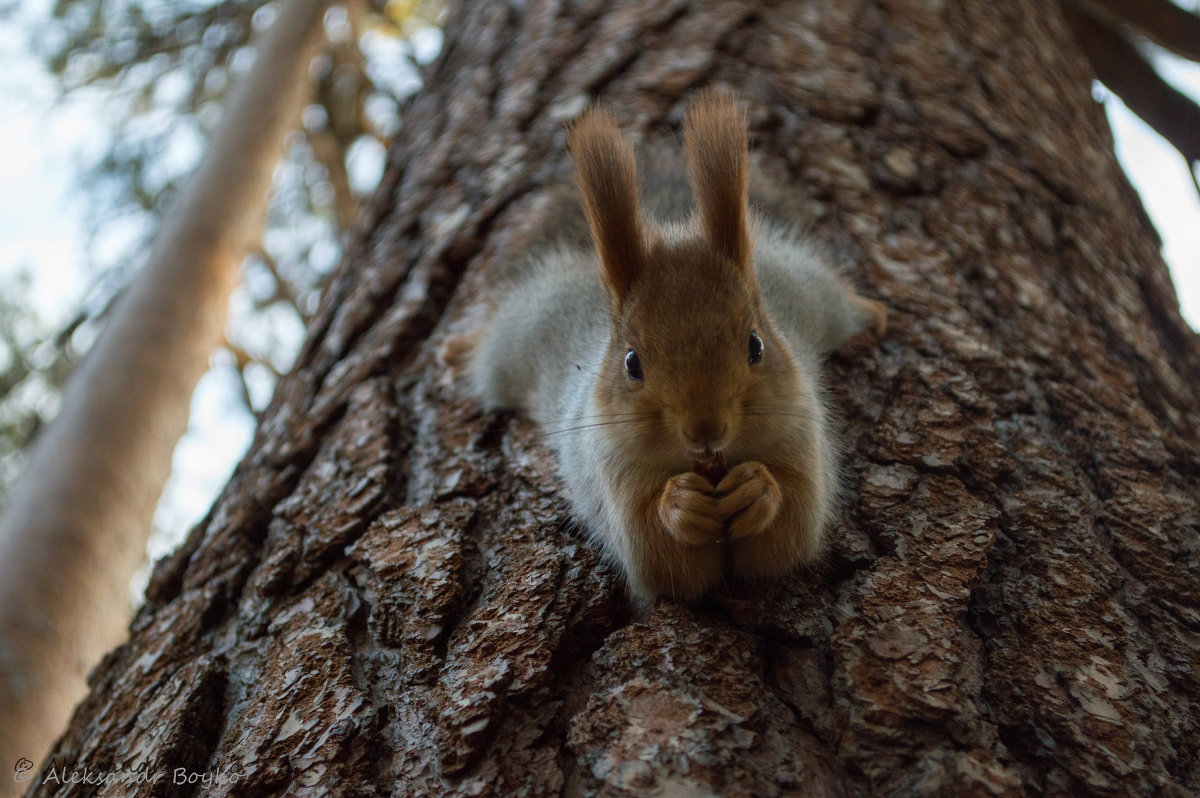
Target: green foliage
{"points": [[33, 367]]}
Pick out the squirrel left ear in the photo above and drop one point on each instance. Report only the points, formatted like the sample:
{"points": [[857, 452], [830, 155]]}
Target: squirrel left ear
{"points": [[606, 174], [718, 159]]}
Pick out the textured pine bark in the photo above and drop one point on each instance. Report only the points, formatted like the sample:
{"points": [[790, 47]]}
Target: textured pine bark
{"points": [[389, 597]]}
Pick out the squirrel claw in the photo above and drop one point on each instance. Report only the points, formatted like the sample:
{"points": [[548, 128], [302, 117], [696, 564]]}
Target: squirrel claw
{"points": [[697, 514]]}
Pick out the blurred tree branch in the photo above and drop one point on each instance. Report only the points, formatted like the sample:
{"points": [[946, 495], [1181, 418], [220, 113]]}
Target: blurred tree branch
{"points": [[1126, 71], [1160, 21]]}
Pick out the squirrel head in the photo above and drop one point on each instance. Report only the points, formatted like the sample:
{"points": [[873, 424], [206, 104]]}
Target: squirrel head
{"points": [[693, 364]]}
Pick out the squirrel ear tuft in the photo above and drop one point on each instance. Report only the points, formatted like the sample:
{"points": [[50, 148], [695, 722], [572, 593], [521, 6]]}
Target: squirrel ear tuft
{"points": [[606, 174], [718, 161]]}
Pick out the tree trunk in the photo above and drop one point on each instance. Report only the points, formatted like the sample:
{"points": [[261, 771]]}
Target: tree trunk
{"points": [[389, 597], [75, 528]]}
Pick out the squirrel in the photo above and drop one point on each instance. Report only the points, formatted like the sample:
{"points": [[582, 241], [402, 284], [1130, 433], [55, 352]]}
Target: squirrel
{"points": [[674, 366]]}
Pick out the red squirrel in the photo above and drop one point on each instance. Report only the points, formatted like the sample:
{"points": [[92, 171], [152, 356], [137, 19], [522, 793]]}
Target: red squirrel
{"points": [[675, 366]]}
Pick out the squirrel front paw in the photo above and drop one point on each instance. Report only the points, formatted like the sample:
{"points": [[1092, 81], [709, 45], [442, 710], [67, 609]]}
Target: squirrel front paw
{"points": [[690, 512], [744, 503], [748, 498]]}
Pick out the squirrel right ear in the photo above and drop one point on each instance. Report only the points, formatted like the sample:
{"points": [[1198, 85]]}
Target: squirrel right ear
{"points": [[718, 155], [606, 174]]}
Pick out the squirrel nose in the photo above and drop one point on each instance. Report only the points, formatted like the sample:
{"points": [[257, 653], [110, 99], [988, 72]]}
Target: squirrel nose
{"points": [[705, 432]]}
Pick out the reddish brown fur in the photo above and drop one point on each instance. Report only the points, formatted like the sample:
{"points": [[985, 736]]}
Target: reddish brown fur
{"points": [[714, 377], [689, 318], [606, 173], [686, 300], [718, 162]]}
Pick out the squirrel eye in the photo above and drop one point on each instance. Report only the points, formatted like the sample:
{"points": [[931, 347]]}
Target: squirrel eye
{"points": [[633, 366], [756, 349]]}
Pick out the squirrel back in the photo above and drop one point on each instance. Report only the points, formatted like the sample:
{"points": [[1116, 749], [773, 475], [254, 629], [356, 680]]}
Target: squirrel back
{"points": [[657, 346]]}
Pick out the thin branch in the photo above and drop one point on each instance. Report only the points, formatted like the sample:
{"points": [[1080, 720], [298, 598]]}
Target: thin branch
{"points": [[243, 386], [1122, 68], [283, 289], [342, 90], [242, 358], [1162, 22], [327, 150]]}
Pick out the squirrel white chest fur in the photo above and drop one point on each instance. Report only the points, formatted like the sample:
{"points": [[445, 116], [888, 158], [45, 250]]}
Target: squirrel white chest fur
{"points": [[674, 368]]}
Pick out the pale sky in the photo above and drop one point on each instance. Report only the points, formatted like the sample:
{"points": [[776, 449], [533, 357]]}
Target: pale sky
{"points": [[1159, 173]]}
